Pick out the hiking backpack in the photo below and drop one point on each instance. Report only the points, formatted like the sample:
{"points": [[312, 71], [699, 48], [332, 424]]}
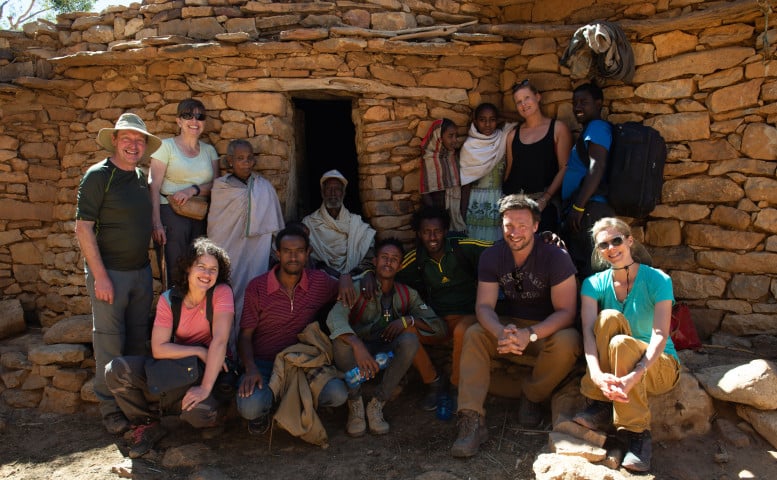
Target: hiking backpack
{"points": [[635, 168]]}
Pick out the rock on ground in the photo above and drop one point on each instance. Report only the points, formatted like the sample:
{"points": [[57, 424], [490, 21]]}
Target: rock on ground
{"points": [[683, 411], [764, 422], [753, 383], [551, 466]]}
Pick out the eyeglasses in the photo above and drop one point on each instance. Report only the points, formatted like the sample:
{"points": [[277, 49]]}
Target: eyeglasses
{"points": [[519, 85], [615, 242], [196, 116]]}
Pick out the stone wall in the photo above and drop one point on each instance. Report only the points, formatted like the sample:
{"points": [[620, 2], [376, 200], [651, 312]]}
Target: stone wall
{"points": [[704, 79]]}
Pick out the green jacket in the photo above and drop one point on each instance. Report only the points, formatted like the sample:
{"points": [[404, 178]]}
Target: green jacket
{"points": [[449, 286]]}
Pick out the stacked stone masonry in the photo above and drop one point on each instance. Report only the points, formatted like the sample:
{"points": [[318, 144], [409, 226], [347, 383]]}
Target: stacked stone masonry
{"points": [[705, 78]]}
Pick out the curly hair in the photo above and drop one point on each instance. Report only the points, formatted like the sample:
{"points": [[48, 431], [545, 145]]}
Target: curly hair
{"points": [[199, 247], [430, 212]]}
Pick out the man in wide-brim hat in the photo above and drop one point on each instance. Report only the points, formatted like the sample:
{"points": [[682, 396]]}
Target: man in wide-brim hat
{"points": [[113, 227]]}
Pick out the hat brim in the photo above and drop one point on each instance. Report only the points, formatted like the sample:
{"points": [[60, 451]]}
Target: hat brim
{"points": [[105, 135], [333, 177]]}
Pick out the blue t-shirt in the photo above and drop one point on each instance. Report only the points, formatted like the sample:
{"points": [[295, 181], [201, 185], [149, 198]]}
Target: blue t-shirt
{"points": [[598, 132], [650, 287]]}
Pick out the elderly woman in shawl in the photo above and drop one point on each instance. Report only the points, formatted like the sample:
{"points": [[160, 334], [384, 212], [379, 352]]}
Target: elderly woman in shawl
{"points": [[440, 179], [482, 164], [244, 214]]}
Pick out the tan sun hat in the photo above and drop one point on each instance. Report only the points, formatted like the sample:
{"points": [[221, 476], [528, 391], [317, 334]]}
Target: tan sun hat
{"points": [[129, 121], [333, 174]]}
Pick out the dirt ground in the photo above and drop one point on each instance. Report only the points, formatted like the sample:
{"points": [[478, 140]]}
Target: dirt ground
{"points": [[43, 446]]}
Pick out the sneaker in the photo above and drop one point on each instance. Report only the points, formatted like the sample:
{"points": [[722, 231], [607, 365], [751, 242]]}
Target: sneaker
{"points": [[259, 426], [597, 416], [472, 434], [429, 403], [530, 413], [356, 426], [378, 426], [144, 437], [640, 451], [116, 423]]}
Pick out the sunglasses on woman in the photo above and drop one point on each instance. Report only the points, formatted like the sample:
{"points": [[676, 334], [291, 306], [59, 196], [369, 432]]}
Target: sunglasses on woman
{"points": [[196, 116], [615, 242]]}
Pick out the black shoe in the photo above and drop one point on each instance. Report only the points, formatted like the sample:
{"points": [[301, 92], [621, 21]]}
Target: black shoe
{"points": [[530, 414], [429, 403], [597, 416], [144, 437], [640, 452], [259, 426]]}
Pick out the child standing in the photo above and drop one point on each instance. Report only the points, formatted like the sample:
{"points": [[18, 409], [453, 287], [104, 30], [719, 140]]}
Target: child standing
{"points": [[440, 180], [482, 171]]}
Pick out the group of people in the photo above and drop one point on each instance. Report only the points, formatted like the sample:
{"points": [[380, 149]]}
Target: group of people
{"points": [[334, 299]]}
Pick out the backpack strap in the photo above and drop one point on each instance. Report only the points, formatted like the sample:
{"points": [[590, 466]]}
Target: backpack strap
{"points": [[355, 316], [176, 301], [404, 297]]}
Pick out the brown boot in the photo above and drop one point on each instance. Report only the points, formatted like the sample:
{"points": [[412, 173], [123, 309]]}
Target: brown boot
{"points": [[356, 426], [378, 426], [472, 434]]}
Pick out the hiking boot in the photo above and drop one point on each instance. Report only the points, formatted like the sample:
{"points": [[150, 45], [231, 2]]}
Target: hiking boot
{"points": [[639, 453], [144, 437], [378, 426], [259, 426], [530, 413], [429, 403], [356, 426], [116, 423], [472, 434], [597, 416]]}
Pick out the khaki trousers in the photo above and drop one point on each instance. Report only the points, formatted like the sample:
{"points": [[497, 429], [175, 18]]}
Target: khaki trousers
{"points": [[618, 353], [555, 357]]}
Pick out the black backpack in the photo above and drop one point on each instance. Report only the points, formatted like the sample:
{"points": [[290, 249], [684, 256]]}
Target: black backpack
{"points": [[635, 168]]}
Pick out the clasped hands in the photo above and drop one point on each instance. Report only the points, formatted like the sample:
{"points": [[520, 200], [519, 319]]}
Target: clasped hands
{"points": [[512, 340], [615, 388]]}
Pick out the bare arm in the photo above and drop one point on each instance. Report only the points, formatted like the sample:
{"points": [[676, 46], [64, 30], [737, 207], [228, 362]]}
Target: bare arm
{"points": [[252, 378], [216, 353], [589, 311], [564, 298], [563, 147], [485, 304], [87, 240], [156, 176], [509, 141], [162, 347], [597, 164]]}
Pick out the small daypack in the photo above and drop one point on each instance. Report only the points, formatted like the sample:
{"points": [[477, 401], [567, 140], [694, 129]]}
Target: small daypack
{"points": [[635, 168]]}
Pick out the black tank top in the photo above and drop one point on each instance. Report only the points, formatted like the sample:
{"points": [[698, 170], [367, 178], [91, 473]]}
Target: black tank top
{"points": [[534, 165]]}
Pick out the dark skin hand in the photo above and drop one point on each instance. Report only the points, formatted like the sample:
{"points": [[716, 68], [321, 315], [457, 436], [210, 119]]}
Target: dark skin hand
{"points": [[596, 169]]}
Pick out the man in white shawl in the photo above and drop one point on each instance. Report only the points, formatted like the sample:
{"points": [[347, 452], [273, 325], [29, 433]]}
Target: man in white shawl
{"points": [[339, 239], [244, 214]]}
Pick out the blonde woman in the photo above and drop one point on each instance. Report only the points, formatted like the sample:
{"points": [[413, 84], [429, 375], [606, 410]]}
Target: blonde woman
{"points": [[626, 311]]}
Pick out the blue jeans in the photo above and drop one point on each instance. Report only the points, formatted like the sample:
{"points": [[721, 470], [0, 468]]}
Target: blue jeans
{"points": [[119, 328], [404, 347], [259, 403]]}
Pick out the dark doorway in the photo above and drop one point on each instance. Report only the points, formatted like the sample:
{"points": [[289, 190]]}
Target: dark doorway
{"points": [[326, 139]]}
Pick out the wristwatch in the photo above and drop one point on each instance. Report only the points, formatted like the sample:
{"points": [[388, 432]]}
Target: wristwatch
{"points": [[532, 335]]}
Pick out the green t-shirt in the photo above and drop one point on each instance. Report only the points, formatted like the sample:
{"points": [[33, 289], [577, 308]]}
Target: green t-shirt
{"points": [[119, 203], [450, 286]]}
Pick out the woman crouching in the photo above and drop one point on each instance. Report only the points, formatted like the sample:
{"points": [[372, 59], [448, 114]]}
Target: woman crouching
{"points": [[626, 312], [204, 307]]}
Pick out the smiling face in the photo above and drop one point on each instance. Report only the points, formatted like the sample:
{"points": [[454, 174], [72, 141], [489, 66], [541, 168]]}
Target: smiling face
{"points": [[128, 148], [585, 107], [293, 254], [432, 232], [485, 121], [526, 101], [242, 161], [203, 274], [189, 124], [518, 227], [614, 247], [388, 259]]}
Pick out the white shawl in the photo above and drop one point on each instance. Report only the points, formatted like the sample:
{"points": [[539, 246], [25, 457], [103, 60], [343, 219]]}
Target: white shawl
{"points": [[480, 153], [341, 243]]}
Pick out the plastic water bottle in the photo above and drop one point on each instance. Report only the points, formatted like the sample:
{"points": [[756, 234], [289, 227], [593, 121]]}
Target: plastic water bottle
{"points": [[354, 377], [444, 406]]}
